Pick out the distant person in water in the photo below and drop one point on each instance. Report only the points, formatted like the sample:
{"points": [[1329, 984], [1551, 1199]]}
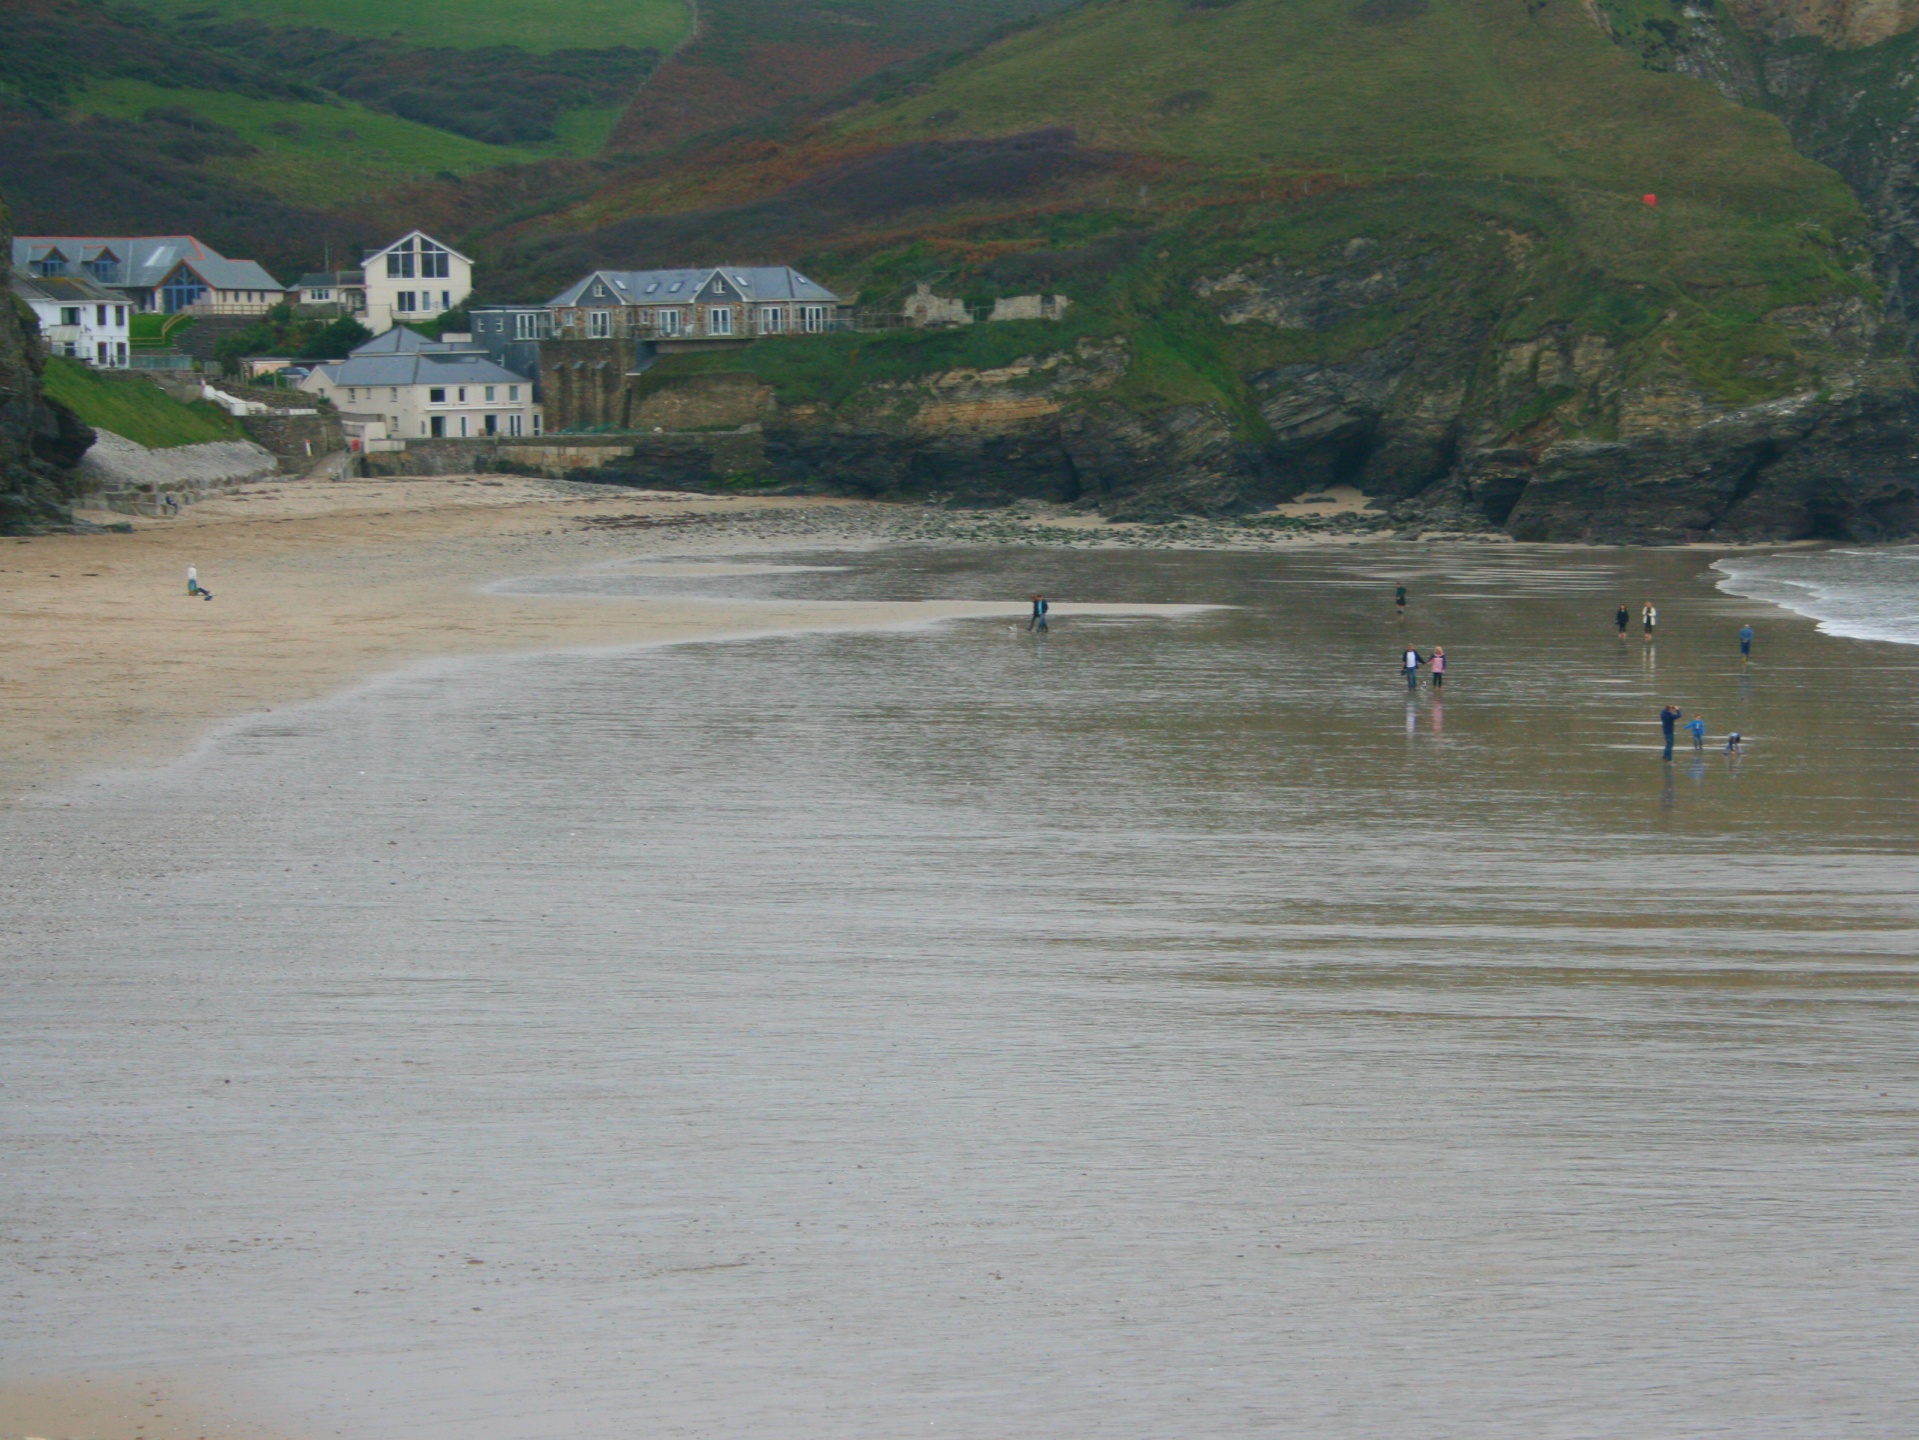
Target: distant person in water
{"points": [[1745, 641], [1038, 622], [1649, 617], [1668, 718], [1622, 619], [1697, 728], [1399, 598], [1412, 660], [1437, 666]]}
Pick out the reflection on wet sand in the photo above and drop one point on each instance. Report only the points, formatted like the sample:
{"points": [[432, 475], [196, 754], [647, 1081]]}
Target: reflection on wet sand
{"points": [[1162, 1023]]}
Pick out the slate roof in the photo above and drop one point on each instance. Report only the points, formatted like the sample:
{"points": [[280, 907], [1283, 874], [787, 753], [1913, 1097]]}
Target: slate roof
{"points": [[664, 287], [146, 260], [457, 368], [331, 279], [373, 255], [65, 289], [403, 340]]}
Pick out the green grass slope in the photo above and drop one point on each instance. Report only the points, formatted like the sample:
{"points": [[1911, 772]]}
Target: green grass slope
{"points": [[306, 153], [1388, 87], [135, 408], [535, 25], [1499, 148]]}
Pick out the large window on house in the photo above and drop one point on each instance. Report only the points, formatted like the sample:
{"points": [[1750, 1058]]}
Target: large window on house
{"points": [[103, 268], [69, 314], [432, 261], [526, 327], [181, 292], [407, 301], [399, 261], [669, 322], [812, 318], [771, 320], [436, 396], [599, 324], [719, 320]]}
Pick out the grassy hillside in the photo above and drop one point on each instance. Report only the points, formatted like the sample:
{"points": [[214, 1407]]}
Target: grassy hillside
{"points": [[309, 154], [755, 58], [1444, 87], [535, 25], [135, 408], [1488, 159]]}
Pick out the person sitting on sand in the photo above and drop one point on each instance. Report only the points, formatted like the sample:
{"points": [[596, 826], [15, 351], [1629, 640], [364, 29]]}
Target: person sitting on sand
{"points": [[194, 587]]}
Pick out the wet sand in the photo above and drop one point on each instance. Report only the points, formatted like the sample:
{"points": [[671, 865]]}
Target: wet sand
{"points": [[1167, 1025], [106, 660]]}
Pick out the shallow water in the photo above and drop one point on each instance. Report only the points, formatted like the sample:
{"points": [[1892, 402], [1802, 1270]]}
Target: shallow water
{"points": [[1161, 1028]]}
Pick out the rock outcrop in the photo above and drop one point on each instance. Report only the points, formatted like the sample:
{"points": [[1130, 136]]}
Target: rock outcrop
{"points": [[40, 442]]}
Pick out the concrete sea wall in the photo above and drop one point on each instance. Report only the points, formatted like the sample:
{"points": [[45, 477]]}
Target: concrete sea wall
{"points": [[117, 474]]}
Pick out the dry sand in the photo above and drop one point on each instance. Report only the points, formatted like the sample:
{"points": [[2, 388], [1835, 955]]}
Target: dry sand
{"points": [[116, 1409], [106, 660]]}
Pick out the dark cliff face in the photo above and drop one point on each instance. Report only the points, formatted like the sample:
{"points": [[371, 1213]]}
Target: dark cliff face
{"points": [[40, 442]]}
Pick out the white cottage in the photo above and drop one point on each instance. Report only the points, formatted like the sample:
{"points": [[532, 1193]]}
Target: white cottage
{"points": [[79, 317]]}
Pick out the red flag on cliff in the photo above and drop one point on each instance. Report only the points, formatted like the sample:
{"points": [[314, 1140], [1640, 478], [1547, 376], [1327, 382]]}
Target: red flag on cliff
{"points": [[1650, 199]]}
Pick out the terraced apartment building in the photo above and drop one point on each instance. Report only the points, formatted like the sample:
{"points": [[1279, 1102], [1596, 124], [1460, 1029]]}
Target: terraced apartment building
{"points": [[695, 309]]}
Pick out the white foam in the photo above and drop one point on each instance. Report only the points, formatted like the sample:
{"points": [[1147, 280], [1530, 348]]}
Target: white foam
{"points": [[1861, 594]]}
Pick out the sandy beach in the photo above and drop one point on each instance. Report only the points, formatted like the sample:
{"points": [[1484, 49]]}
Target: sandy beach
{"points": [[317, 584]]}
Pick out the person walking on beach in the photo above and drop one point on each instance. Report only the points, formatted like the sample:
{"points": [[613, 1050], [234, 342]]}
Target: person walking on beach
{"points": [[1649, 617], [1622, 619], [1038, 622], [1697, 728], [1399, 600], [1412, 660], [1668, 718], [1745, 641], [1436, 667]]}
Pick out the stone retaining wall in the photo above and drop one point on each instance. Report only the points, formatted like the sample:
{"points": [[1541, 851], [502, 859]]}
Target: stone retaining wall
{"points": [[117, 474]]}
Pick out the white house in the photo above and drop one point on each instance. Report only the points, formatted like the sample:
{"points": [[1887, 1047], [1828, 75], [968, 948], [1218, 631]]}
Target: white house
{"points": [[79, 317], [403, 386], [415, 278], [156, 272]]}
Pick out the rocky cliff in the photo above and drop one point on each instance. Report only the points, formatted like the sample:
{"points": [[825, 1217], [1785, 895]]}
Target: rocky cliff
{"points": [[40, 442]]}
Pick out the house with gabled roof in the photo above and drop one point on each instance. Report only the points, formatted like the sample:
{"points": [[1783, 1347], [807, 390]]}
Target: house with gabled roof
{"points": [[692, 309], [412, 280], [155, 272], [80, 318], [401, 386]]}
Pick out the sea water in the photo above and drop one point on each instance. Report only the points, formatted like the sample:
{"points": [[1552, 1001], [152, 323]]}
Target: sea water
{"points": [[1867, 594], [1155, 1027]]}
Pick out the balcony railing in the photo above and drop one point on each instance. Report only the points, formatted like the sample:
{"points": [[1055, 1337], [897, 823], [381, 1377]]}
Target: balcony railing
{"points": [[618, 328]]}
